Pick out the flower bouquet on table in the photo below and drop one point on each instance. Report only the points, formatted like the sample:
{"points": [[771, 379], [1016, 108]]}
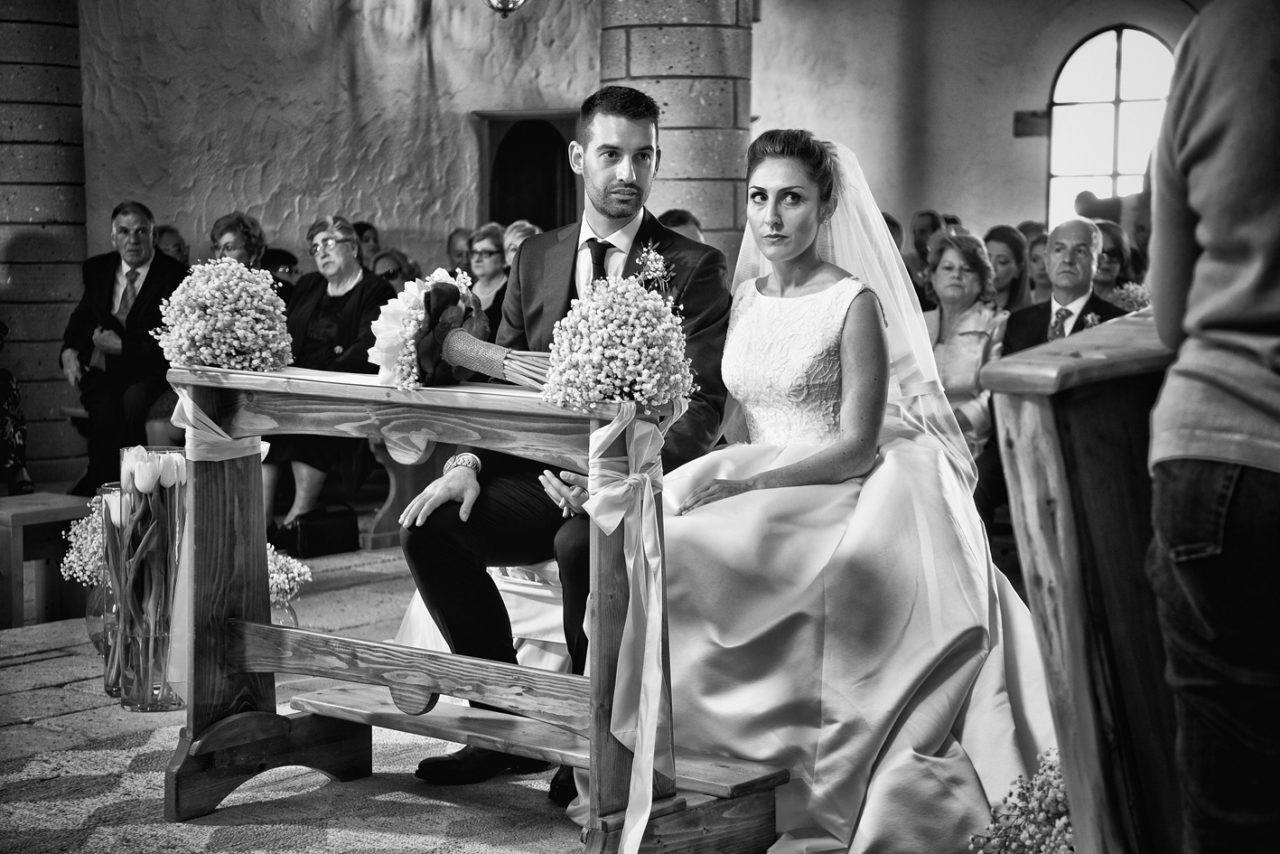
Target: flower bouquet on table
{"points": [[410, 331], [147, 532], [225, 315], [285, 577]]}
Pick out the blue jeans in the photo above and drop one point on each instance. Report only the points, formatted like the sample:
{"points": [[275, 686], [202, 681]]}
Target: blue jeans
{"points": [[1215, 569]]}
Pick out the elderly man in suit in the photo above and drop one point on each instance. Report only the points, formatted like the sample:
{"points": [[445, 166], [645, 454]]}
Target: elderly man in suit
{"points": [[1071, 260], [494, 509], [108, 352]]}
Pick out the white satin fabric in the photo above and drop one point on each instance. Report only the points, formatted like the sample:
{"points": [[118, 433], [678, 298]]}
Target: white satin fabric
{"points": [[855, 633]]}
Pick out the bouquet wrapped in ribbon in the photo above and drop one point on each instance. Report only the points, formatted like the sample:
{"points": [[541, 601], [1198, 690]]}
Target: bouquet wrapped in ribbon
{"points": [[410, 332], [225, 315]]}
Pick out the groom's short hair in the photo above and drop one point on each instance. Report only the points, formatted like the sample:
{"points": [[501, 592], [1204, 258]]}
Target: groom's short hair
{"points": [[617, 101]]}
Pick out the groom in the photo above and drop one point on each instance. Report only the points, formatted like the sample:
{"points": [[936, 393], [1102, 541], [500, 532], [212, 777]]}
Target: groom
{"points": [[492, 509]]}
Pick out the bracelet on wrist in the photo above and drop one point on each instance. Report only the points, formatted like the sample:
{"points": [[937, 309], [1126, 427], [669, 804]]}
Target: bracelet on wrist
{"points": [[465, 460]]}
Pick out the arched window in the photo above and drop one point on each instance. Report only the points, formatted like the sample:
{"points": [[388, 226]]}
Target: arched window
{"points": [[1108, 100]]}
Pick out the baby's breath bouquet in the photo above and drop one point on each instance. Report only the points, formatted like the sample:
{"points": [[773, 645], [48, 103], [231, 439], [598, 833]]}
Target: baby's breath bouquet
{"points": [[1130, 296], [225, 315], [285, 576], [620, 341], [83, 561], [1034, 818]]}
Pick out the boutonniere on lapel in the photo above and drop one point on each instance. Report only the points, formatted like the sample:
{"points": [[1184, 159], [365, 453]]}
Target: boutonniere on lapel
{"points": [[654, 272], [1091, 320]]}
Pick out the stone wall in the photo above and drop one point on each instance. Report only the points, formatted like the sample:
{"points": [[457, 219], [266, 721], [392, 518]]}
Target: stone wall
{"points": [[925, 90]]}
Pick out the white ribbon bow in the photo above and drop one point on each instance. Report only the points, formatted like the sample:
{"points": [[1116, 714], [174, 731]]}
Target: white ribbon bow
{"points": [[631, 498]]}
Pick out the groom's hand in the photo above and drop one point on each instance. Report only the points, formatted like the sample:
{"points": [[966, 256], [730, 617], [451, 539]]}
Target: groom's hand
{"points": [[568, 489], [458, 484]]}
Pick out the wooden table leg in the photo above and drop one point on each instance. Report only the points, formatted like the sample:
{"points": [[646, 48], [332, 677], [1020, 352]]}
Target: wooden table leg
{"points": [[232, 730], [11, 616]]}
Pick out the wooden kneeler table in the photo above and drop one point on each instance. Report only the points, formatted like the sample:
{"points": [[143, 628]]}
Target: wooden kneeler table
{"points": [[233, 731]]}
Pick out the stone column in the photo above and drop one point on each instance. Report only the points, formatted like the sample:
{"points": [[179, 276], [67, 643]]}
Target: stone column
{"points": [[694, 58], [42, 213]]}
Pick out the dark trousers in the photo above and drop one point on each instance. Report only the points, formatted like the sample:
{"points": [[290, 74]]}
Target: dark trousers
{"points": [[513, 522], [117, 409], [1213, 566]]}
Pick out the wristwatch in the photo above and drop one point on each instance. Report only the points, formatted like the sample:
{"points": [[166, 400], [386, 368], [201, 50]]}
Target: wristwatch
{"points": [[466, 460]]}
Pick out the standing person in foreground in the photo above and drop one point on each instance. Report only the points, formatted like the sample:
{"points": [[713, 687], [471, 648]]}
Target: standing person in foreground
{"points": [[489, 508], [1215, 429], [830, 589]]}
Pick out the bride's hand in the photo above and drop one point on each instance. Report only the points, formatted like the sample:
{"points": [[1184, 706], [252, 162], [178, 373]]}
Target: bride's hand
{"points": [[713, 491], [569, 490]]}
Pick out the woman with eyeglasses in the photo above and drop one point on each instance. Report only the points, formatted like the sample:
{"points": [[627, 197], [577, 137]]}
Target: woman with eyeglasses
{"points": [[329, 315], [967, 328], [240, 237], [1114, 267], [488, 271]]}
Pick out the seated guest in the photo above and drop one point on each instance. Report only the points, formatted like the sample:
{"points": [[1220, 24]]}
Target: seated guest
{"points": [[1007, 249], [966, 328], [455, 247], [924, 224], [895, 229], [329, 314], [1037, 274], [683, 222], [240, 237], [518, 232], [395, 267], [1031, 229], [108, 351], [170, 241], [1115, 261], [283, 267], [488, 271], [370, 240]]}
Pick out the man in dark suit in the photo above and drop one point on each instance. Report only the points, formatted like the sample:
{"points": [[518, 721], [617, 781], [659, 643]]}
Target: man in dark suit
{"points": [[494, 509], [1073, 247], [108, 352], [1071, 259]]}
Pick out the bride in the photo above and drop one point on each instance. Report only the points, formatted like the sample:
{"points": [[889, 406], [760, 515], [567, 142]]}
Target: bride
{"points": [[830, 587]]}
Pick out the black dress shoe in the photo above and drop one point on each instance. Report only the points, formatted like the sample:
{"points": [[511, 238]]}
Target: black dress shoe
{"points": [[563, 789], [475, 765]]}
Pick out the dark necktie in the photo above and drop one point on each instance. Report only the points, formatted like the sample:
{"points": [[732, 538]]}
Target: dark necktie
{"points": [[1059, 327], [129, 295], [599, 248]]}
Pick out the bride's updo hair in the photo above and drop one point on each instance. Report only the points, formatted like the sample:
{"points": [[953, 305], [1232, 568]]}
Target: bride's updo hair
{"points": [[817, 157]]}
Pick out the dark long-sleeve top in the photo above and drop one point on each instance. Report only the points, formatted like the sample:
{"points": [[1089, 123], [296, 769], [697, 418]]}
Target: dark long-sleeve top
{"points": [[352, 338]]}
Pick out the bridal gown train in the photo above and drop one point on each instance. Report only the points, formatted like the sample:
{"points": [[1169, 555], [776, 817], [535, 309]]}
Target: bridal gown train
{"points": [[855, 633]]}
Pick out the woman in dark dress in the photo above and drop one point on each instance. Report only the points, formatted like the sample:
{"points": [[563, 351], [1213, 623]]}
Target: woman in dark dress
{"points": [[329, 314]]}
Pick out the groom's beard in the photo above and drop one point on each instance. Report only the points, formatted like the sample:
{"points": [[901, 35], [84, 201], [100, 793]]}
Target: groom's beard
{"points": [[619, 205]]}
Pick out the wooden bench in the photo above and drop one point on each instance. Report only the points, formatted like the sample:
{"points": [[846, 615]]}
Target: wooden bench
{"points": [[233, 732], [1073, 417], [31, 529]]}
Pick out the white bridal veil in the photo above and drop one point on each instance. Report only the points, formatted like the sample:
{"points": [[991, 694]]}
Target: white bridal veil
{"points": [[856, 239]]}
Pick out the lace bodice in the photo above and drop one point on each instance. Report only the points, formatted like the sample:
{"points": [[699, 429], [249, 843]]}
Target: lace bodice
{"points": [[782, 362]]}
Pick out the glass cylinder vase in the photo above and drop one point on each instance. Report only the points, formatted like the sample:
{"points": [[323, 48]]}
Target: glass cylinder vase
{"points": [[103, 608], [152, 489]]}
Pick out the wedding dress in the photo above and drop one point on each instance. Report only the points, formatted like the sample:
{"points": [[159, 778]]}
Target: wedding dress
{"points": [[855, 633]]}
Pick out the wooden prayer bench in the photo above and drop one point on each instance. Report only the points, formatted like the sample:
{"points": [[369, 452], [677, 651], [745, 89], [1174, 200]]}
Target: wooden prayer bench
{"points": [[232, 729], [31, 528], [1073, 418]]}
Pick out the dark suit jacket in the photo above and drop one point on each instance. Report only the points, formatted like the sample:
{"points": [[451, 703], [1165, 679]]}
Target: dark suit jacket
{"points": [[1029, 326], [540, 287], [140, 355], [354, 332]]}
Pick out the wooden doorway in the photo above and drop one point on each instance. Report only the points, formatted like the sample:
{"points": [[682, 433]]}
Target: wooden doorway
{"points": [[525, 170]]}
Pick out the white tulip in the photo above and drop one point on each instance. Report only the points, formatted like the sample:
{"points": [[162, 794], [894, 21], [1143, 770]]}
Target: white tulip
{"points": [[147, 473], [112, 500], [169, 469], [182, 469], [129, 465]]}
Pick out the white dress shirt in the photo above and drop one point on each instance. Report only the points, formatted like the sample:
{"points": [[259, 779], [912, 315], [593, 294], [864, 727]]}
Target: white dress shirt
{"points": [[614, 260]]}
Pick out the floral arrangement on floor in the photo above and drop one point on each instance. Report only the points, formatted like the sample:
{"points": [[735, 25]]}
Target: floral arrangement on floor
{"points": [[285, 576], [410, 330], [225, 315], [83, 561], [1034, 818], [620, 341], [1130, 296]]}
